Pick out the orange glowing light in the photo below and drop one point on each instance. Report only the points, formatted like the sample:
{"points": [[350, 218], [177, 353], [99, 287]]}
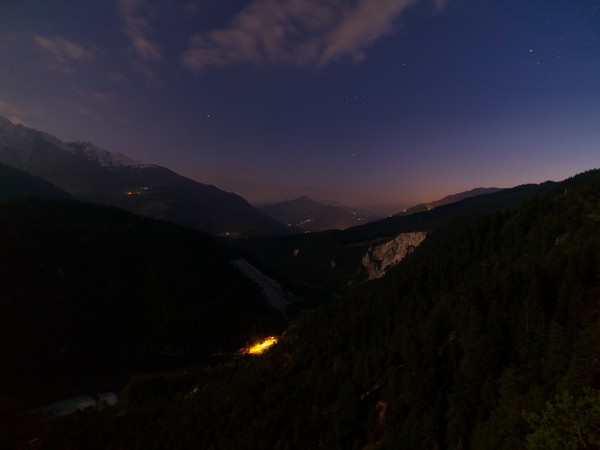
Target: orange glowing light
{"points": [[260, 347]]}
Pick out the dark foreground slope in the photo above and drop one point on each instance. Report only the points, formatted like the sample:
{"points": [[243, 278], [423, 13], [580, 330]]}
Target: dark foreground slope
{"points": [[15, 183], [459, 347], [88, 292]]}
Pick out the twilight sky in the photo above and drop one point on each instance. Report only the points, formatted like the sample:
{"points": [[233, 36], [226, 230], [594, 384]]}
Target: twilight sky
{"points": [[366, 102]]}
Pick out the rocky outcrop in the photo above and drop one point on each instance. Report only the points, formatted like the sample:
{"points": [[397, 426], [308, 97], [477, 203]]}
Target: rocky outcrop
{"points": [[278, 297], [380, 258]]}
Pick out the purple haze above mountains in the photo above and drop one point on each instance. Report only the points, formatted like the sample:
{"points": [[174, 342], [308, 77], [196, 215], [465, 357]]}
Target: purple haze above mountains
{"points": [[367, 102]]}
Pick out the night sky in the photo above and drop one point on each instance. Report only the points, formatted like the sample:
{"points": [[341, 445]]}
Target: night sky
{"points": [[365, 102]]}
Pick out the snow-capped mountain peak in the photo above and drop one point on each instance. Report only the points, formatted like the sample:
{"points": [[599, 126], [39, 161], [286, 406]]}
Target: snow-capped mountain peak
{"points": [[103, 157], [16, 143]]}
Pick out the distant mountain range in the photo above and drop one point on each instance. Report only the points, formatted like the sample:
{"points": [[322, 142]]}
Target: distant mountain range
{"points": [[92, 174], [334, 260], [421, 207], [306, 214], [96, 175]]}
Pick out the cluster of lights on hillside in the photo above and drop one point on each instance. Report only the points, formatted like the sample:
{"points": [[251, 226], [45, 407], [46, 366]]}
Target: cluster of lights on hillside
{"points": [[139, 191], [260, 347]]}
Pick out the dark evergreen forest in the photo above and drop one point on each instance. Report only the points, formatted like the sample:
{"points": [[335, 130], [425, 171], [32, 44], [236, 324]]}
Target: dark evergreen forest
{"points": [[91, 293], [486, 337]]}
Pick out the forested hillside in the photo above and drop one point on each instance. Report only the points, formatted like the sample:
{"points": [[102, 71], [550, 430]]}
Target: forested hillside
{"points": [[331, 260], [90, 293], [15, 183], [486, 337]]}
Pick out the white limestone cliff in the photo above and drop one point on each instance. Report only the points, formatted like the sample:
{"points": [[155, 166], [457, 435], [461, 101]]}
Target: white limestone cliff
{"points": [[380, 258]]}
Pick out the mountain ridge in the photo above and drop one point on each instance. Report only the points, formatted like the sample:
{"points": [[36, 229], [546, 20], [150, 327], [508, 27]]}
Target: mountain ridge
{"points": [[307, 214], [96, 175], [448, 199], [331, 260]]}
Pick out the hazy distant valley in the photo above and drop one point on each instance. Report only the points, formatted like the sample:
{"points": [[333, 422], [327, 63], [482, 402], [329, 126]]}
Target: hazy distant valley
{"points": [[471, 322], [305, 214]]}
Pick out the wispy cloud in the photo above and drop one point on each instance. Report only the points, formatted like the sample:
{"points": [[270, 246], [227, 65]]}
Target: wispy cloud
{"points": [[104, 98], [360, 27], [136, 16], [117, 77], [440, 4], [296, 32], [61, 48], [82, 110], [61, 54], [11, 38], [190, 8], [13, 113]]}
